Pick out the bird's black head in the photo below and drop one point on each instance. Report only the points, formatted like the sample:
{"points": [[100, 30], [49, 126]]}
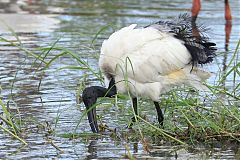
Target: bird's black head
{"points": [[89, 96]]}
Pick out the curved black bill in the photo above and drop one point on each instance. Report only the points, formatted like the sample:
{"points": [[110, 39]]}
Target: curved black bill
{"points": [[92, 118]]}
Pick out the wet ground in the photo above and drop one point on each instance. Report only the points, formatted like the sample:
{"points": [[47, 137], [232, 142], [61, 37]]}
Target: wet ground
{"points": [[41, 98]]}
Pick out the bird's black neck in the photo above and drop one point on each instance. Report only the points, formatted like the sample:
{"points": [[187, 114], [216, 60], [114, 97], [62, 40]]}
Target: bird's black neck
{"points": [[107, 92], [112, 89]]}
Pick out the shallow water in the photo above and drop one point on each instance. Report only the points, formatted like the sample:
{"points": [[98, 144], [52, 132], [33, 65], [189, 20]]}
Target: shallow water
{"points": [[41, 23]]}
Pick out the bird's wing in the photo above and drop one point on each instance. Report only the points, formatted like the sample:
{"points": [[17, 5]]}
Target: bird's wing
{"points": [[143, 54], [194, 37]]}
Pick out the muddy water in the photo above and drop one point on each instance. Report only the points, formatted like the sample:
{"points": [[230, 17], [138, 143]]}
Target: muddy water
{"points": [[46, 100]]}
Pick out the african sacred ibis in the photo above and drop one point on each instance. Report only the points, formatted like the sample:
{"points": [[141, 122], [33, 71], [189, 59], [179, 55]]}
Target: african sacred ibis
{"points": [[149, 61]]}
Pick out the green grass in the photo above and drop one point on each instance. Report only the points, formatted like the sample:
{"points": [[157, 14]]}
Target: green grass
{"points": [[9, 125]]}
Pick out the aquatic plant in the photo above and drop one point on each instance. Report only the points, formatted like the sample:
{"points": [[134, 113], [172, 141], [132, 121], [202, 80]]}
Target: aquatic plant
{"points": [[8, 124]]}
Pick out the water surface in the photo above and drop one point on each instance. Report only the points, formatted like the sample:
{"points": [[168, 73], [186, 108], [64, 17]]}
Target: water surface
{"points": [[43, 97]]}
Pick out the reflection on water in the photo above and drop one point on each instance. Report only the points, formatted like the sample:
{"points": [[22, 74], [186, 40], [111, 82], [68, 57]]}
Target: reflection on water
{"points": [[50, 97], [27, 23]]}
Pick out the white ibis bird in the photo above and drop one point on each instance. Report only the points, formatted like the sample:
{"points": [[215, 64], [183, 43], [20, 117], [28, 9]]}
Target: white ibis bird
{"points": [[149, 61], [196, 6]]}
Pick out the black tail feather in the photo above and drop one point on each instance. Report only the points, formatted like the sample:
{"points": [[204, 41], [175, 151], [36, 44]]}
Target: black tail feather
{"points": [[194, 37]]}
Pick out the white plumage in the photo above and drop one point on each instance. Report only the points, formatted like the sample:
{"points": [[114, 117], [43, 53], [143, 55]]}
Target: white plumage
{"points": [[146, 62], [150, 60]]}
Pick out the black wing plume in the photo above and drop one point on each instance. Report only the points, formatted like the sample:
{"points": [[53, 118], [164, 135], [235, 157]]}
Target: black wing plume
{"points": [[194, 37]]}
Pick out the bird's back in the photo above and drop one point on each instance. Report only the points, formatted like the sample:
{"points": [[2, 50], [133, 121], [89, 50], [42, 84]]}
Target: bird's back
{"points": [[140, 48], [155, 53]]}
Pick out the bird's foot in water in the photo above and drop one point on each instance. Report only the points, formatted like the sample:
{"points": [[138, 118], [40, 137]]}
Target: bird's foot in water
{"points": [[104, 128], [133, 120], [159, 123]]}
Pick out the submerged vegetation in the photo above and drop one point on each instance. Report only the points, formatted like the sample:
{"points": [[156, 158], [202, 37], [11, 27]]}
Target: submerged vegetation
{"points": [[190, 116]]}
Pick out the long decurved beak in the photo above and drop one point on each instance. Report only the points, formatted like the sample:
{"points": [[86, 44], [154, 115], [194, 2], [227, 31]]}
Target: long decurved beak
{"points": [[92, 118]]}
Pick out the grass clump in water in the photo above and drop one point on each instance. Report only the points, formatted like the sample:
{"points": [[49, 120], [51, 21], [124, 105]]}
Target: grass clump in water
{"points": [[8, 124]]}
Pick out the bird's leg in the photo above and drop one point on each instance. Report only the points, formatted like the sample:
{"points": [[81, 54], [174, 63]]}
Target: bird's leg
{"points": [[196, 6], [134, 103], [134, 100], [228, 15], [195, 31], [159, 113], [228, 29], [228, 25]]}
